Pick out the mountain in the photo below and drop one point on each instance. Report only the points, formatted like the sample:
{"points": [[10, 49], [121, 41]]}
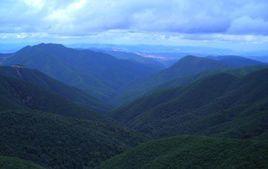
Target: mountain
{"points": [[3, 57], [263, 59], [58, 142], [236, 61], [41, 80], [220, 104], [96, 73], [18, 94], [39, 125], [185, 69], [186, 152], [238, 72], [15, 163]]}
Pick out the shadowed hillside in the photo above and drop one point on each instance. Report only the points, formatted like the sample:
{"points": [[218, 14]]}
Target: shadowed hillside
{"points": [[186, 70], [39, 125], [97, 73], [193, 152], [220, 104], [41, 80], [15, 163]]}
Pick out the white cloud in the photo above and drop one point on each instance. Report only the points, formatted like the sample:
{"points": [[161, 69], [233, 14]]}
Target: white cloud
{"points": [[182, 16], [35, 4], [137, 20]]}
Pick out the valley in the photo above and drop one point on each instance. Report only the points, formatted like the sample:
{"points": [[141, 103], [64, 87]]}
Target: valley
{"points": [[69, 108]]}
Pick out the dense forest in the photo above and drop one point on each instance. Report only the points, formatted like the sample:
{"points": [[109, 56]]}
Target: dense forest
{"points": [[67, 108]]}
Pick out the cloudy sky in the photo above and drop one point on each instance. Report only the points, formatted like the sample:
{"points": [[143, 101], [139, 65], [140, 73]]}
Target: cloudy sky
{"points": [[217, 23]]}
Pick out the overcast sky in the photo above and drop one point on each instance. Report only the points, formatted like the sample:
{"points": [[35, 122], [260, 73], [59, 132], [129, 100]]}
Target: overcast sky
{"points": [[219, 23]]}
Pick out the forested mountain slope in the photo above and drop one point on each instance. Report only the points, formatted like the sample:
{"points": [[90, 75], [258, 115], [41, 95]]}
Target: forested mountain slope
{"points": [[15, 163], [97, 73], [186, 152], [220, 104], [59, 142], [43, 81]]}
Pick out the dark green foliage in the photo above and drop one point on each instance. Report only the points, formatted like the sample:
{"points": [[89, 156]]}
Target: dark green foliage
{"points": [[56, 126], [220, 104], [15, 163], [20, 94], [99, 74], [238, 72], [59, 142], [43, 81], [187, 152], [59, 139]]}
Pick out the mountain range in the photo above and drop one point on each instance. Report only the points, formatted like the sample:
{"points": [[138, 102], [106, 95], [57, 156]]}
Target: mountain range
{"points": [[154, 63], [51, 85], [98, 74], [38, 123], [97, 109], [220, 104], [182, 72]]}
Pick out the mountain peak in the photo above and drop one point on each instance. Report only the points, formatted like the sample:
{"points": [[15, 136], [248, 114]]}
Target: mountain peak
{"points": [[190, 57], [48, 45], [195, 61], [43, 46]]}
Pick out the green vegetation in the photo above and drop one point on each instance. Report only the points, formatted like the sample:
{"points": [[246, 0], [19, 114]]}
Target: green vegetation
{"points": [[43, 81], [15, 163], [42, 126], [220, 104], [44, 122], [59, 142], [98, 74], [186, 152], [20, 94], [186, 70]]}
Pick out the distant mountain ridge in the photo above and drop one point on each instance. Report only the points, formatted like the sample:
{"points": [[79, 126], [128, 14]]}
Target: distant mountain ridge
{"points": [[220, 104], [96, 73], [59, 109], [135, 57], [182, 72], [236, 61]]}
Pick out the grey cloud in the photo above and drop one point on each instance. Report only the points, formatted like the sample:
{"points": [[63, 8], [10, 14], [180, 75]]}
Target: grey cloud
{"points": [[72, 17]]}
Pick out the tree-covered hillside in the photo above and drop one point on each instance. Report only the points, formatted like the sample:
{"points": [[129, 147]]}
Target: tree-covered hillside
{"points": [[184, 71], [59, 142], [40, 125], [20, 94], [15, 163], [45, 82], [220, 104], [186, 152], [97, 73]]}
